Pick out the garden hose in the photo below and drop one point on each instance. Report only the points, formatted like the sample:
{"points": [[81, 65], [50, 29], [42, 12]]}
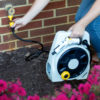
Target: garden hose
{"points": [[28, 56]]}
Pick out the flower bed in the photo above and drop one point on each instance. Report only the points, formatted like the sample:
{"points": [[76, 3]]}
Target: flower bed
{"points": [[89, 90]]}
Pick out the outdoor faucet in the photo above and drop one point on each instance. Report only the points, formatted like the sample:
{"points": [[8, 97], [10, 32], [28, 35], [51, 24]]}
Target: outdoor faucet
{"points": [[11, 11]]}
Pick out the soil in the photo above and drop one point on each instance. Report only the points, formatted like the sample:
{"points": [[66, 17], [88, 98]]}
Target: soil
{"points": [[31, 73]]}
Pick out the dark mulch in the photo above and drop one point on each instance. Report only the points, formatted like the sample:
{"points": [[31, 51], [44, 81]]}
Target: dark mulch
{"points": [[32, 74]]}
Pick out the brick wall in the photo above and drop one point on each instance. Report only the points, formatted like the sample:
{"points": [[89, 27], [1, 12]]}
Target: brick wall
{"points": [[58, 15]]}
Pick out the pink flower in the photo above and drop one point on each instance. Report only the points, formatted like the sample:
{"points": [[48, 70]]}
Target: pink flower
{"points": [[13, 88], [93, 79], [67, 86], [21, 91], [92, 96], [30, 98], [4, 97], [84, 88], [15, 97], [87, 88], [78, 97], [75, 92], [3, 85], [97, 67], [61, 97], [96, 79], [36, 97], [81, 88], [52, 98], [9, 83], [93, 71], [90, 79]]}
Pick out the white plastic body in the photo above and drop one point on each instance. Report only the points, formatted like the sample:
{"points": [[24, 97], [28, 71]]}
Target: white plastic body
{"points": [[51, 64]]}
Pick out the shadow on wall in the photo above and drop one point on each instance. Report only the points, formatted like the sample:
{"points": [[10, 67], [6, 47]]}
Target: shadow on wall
{"points": [[13, 2]]}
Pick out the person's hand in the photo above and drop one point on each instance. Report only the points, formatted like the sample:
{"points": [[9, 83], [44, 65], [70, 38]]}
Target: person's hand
{"points": [[77, 30], [19, 22]]}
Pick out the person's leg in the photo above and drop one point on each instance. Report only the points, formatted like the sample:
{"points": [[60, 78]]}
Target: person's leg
{"points": [[94, 30]]}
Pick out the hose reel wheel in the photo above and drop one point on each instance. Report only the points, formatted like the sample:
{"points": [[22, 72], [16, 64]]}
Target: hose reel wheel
{"points": [[74, 61]]}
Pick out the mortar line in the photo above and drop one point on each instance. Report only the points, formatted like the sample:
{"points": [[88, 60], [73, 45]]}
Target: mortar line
{"points": [[66, 3], [28, 33], [0, 22], [27, 2]]}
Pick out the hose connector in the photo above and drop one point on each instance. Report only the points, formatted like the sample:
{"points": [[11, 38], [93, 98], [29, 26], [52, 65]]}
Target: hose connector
{"points": [[11, 23], [65, 75], [10, 11], [10, 17]]}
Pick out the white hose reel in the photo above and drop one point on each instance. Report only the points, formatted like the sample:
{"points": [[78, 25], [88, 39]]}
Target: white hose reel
{"points": [[69, 58]]}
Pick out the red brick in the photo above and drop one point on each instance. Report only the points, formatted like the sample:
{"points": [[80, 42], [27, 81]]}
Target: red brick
{"points": [[44, 44], [45, 14], [66, 11], [4, 30], [6, 46], [71, 18], [48, 44], [21, 10], [13, 2], [21, 43], [36, 46], [63, 27], [42, 31], [11, 37], [31, 25], [31, 1], [56, 4], [74, 2], [42, 15], [55, 21], [4, 21], [48, 38], [3, 13], [53, 5]]}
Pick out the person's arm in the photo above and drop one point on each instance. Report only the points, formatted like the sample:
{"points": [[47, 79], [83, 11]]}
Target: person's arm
{"points": [[78, 28], [36, 8]]}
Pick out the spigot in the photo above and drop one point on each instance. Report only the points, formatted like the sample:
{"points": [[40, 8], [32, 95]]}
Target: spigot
{"points": [[10, 10]]}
